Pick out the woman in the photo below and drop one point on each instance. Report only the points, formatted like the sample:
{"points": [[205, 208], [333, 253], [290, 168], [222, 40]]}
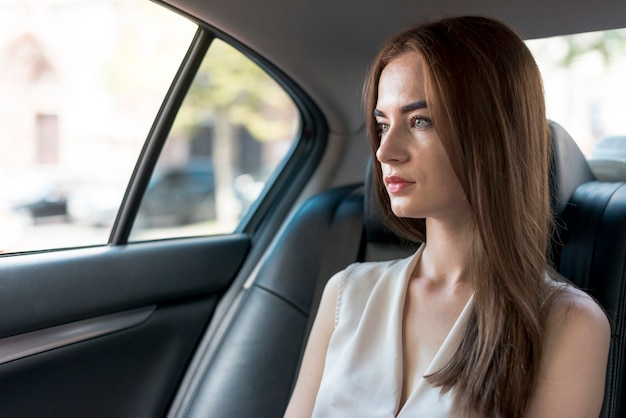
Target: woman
{"points": [[475, 323]]}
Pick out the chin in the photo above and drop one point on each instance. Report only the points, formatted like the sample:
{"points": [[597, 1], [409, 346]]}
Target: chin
{"points": [[404, 212]]}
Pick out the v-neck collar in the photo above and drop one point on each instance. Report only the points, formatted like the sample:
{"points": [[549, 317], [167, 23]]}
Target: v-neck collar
{"points": [[444, 352], [364, 362], [442, 357]]}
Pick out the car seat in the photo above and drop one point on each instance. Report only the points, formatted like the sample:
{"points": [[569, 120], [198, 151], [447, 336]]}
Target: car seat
{"points": [[590, 250], [248, 369]]}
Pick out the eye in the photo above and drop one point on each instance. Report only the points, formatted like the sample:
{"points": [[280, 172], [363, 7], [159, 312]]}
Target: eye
{"points": [[421, 122], [382, 128]]}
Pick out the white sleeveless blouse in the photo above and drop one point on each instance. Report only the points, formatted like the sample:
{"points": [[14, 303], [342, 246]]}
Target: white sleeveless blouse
{"points": [[363, 370]]}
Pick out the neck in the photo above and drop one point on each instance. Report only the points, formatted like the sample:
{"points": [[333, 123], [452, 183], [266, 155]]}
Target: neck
{"points": [[446, 254]]}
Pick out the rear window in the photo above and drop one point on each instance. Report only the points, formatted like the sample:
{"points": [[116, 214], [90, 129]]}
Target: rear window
{"points": [[585, 88]]}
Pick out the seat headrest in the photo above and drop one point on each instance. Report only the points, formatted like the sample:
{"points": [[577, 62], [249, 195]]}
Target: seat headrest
{"points": [[569, 169]]}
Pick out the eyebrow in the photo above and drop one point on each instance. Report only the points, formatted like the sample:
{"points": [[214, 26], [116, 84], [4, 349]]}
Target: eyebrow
{"points": [[406, 108]]}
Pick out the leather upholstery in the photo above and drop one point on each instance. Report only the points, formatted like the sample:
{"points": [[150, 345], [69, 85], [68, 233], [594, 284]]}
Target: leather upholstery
{"points": [[594, 257], [570, 169], [250, 363], [590, 249]]}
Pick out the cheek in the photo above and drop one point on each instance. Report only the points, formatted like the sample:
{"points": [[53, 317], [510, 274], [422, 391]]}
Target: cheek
{"points": [[443, 165], [454, 190]]}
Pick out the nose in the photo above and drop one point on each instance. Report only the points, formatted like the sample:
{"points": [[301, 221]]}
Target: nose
{"points": [[391, 148]]}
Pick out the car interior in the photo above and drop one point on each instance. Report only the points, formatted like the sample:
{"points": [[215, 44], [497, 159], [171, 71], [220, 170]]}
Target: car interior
{"points": [[216, 325]]}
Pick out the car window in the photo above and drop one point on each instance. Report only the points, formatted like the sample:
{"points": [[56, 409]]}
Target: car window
{"points": [[584, 84], [80, 85], [234, 128]]}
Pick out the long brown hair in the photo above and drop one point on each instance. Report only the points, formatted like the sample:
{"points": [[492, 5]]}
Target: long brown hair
{"points": [[485, 94]]}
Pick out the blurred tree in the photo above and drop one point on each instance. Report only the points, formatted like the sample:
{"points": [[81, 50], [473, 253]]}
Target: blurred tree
{"points": [[232, 85], [608, 44], [231, 91]]}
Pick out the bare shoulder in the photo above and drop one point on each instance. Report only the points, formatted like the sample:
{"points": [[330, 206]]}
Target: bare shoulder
{"points": [[575, 351], [576, 327], [573, 310]]}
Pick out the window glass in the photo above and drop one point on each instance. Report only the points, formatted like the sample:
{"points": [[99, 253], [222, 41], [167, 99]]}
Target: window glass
{"points": [[233, 130], [80, 84], [584, 83]]}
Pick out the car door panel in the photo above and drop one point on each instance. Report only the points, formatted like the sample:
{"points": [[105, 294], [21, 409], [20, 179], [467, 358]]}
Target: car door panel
{"points": [[47, 289], [107, 331]]}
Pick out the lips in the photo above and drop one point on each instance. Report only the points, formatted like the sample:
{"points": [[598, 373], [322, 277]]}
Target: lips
{"points": [[397, 184]]}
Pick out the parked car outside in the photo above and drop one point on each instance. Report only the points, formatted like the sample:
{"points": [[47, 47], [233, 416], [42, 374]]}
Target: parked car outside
{"points": [[39, 196], [608, 158], [179, 195]]}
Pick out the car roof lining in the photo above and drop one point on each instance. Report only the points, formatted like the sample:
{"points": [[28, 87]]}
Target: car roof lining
{"points": [[310, 29]]}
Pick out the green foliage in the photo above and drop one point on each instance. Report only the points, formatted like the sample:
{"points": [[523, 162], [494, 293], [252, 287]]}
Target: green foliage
{"points": [[230, 85], [563, 51], [608, 44]]}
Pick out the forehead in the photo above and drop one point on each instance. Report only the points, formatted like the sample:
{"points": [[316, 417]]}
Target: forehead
{"points": [[402, 79]]}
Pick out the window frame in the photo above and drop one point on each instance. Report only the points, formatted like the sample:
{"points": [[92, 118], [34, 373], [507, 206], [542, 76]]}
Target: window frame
{"points": [[286, 182]]}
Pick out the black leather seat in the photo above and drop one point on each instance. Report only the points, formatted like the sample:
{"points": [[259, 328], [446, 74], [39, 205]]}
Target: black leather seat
{"points": [[250, 371], [592, 251]]}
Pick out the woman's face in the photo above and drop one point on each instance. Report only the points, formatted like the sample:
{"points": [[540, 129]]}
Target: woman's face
{"points": [[416, 170]]}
